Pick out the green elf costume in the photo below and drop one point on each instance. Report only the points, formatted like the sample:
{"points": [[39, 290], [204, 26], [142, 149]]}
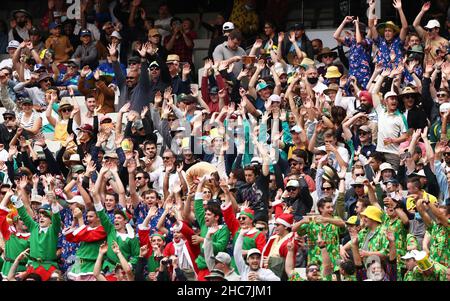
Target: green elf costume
{"points": [[128, 243], [43, 241], [219, 239], [252, 239], [90, 240], [15, 242], [145, 239]]}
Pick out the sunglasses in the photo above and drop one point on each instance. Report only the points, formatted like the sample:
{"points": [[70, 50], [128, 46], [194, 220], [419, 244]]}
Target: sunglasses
{"points": [[66, 110], [362, 133], [429, 29], [154, 68], [294, 163], [290, 189], [131, 77], [132, 63], [9, 118], [326, 188], [171, 119], [261, 228], [166, 158], [327, 56], [441, 94], [313, 270], [139, 178], [359, 175]]}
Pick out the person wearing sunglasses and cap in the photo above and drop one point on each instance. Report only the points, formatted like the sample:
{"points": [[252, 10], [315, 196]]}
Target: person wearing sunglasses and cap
{"points": [[430, 34], [440, 130]]}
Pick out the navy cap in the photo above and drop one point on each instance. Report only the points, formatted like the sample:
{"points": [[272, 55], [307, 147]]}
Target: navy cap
{"points": [[54, 25], [85, 32]]}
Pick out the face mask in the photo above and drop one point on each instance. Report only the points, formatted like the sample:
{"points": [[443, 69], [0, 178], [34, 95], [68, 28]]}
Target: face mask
{"points": [[417, 216], [313, 80]]}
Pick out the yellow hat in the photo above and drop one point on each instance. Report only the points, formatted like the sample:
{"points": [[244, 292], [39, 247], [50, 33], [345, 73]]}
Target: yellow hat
{"points": [[127, 145], [372, 212], [389, 24], [214, 133], [411, 202], [333, 72], [185, 142], [306, 63], [352, 220], [423, 262]]}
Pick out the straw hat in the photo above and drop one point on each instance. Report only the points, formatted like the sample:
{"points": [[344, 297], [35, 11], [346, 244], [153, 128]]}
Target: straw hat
{"points": [[389, 24]]}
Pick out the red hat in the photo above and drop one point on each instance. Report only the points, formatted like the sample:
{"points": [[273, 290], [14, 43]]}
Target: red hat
{"points": [[248, 212], [86, 128], [366, 95], [286, 219]]}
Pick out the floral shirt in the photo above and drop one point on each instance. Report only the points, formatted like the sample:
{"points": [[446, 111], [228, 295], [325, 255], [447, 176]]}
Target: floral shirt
{"points": [[141, 211], [397, 227], [439, 249], [384, 51], [330, 234], [359, 59], [375, 241], [68, 248]]}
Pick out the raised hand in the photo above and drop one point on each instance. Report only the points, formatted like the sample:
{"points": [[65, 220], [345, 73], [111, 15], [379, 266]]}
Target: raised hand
{"points": [[258, 43], [125, 108], [348, 19], [85, 71], [112, 49], [186, 69], [103, 248], [397, 4], [143, 51], [292, 37]]}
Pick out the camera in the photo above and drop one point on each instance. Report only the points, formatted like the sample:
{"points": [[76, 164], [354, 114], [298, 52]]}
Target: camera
{"points": [[167, 262]]}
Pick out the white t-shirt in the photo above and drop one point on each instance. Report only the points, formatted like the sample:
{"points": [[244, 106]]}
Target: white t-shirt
{"points": [[390, 125]]}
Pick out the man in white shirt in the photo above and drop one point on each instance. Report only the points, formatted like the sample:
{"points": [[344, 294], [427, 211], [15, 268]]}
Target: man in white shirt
{"points": [[231, 52], [393, 130], [252, 271], [157, 177], [312, 77]]}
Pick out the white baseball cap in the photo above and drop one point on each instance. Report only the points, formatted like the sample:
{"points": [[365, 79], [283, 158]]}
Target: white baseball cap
{"points": [[389, 94], [116, 34], [444, 107], [410, 254], [275, 98], [227, 26], [77, 199], [13, 44], [432, 24], [253, 251]]}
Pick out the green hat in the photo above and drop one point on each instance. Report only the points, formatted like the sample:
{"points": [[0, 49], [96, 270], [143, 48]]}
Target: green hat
{"points": [[248, 212], [77, 168]]}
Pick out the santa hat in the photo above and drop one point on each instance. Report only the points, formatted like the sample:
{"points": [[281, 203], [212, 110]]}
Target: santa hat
{"points": [[286, 219], [248, 212]]}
